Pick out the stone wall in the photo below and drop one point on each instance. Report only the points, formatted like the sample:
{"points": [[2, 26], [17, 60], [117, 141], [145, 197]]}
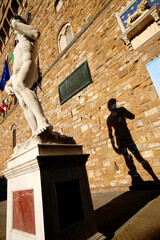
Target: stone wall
{"points": [[116, 73]]}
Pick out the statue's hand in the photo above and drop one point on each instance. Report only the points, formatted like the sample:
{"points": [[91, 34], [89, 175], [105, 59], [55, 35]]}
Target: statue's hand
{"points": [[13, 22], [9, 90]]}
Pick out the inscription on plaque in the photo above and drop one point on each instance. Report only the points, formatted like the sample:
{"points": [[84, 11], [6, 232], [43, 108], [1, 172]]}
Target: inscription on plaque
{"points": [[75, 82], [23, 211]]}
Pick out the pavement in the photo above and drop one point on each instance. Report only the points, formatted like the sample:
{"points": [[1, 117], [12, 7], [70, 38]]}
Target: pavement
{"points": [[145, 225], [3, 209], [130, 215]]}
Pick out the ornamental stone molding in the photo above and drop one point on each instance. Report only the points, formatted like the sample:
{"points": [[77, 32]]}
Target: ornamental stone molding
{"points": [[142, 28]]}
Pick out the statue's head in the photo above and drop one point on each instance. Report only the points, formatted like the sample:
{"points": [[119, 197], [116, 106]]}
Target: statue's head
{"points": [[20, 19], [21, 27], [14, 20], [144, 4]]}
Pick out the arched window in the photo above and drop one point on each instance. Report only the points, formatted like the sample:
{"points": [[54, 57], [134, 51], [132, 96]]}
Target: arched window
{"points": [[65, 37], [13, 129]]}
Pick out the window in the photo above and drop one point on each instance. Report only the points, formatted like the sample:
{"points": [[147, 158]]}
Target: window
{"points": [[1, 3], [3, 10], [29, 17], [58, 4], [25, 4], [14, 6], [4, 114], [65, 37], [9, 15], [15, 100], [13, 129], [6, 27], [14, 138], [2, 35], [8, 12], [154, 71], [1, 44]]}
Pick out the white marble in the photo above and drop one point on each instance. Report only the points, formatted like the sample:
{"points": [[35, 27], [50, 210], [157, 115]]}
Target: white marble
{"points": [[19, 182], [25, 74], [25, 157], [23, 173]]}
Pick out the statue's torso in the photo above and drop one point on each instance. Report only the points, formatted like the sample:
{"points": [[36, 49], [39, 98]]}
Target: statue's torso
{"points": [[25, 50]]}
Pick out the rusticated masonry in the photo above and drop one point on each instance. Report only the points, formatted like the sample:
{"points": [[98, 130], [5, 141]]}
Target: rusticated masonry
{"points": [[116, 73]]}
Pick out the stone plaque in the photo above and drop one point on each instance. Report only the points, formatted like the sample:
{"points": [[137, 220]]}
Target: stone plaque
{"points": [[23, 211], [75, 82]]}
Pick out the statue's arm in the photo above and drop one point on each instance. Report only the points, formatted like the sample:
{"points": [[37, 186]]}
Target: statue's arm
{"points": [[128, 114], [25, 29], [8, 86]]}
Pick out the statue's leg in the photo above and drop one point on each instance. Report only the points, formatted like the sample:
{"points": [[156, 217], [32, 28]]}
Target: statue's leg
{"points": [[34, 110], [28, 114], [34, 105], [24, 81]]}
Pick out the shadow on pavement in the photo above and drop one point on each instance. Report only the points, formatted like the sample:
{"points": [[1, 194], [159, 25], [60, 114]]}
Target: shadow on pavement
{"points": [[114, 214]]}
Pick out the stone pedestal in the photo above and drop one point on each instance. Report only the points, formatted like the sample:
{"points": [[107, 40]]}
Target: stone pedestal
{"points": [[48, 195]]}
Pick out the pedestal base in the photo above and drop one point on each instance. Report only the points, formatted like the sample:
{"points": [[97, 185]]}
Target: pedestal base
{"points": [[49, 196], [97, 236]]}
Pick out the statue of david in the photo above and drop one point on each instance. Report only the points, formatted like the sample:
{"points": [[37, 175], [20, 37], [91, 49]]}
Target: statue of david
{"points": [[25, 74]]}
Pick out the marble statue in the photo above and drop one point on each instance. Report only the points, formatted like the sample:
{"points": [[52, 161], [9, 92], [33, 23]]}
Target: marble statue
{"points": [[142, 7], [25, 74]]}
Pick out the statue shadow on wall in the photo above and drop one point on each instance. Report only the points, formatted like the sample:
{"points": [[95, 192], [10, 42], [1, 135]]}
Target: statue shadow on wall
{"points": [[123, 143]]}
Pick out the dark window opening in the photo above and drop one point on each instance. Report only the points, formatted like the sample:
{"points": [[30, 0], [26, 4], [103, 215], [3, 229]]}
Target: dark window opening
{"points": [[14, 6], [20, 2], [1, 3], [9, 15], [1, 46], [15, 100], [25, 4], [3, 36], [6, 27], [14, 138], [3, 10], [29, 18], [5, 113]]}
